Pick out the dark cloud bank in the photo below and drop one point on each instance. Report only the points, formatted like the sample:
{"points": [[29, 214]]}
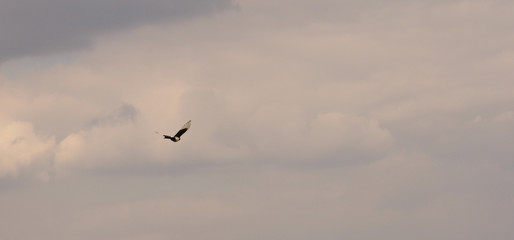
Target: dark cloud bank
{"points": [[29, 27]]}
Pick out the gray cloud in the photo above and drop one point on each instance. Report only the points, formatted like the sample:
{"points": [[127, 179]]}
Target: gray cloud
{"points": [[125, 113], [307, 90], [396, 198], [393, 122], [30, 28]]}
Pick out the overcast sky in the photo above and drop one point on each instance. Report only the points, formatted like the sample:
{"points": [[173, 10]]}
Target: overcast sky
{"points": [[311, 119]]}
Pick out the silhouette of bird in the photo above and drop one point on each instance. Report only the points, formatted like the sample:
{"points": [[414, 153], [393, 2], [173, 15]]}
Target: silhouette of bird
{"points": [[177, 136]]}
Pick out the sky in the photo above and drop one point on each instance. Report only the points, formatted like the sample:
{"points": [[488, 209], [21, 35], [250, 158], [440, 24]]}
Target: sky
{"points": [[311, 119]]}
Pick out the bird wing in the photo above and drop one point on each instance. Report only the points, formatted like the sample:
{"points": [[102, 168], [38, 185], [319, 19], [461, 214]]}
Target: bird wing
{"points": [[183, 129]]}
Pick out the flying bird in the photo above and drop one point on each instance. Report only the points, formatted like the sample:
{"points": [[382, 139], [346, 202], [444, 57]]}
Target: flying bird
{"points": [[177, 136]]}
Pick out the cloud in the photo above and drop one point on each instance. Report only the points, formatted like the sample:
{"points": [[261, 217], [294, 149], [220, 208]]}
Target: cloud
{"points": [[47, 27], [303, 91], [392, 122], [125, 113], [397, 197], [480, 139], [346, 134], [106, 140], [21, 147]]}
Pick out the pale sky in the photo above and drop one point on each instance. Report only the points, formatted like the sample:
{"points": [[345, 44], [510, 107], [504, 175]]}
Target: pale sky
{"points": [[311, 119]]}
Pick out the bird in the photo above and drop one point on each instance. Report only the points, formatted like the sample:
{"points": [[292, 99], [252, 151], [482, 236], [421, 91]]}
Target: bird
{"points": [[177, 136]]}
